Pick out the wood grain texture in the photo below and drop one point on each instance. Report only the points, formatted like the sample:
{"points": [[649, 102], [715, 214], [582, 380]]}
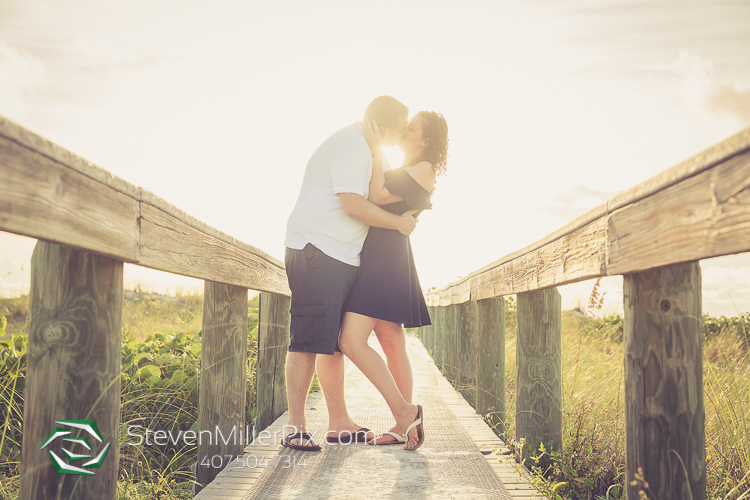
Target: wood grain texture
{"points": [[665, 416], [539, 370], [466, 351], [489, 327], [437, 350], [52, 195], [73, 370], [429, 335], [46, 200], [168, 244], [449, 343], [704, 216], [695, 210], [577, 256], [273, 343], [223, 396]]}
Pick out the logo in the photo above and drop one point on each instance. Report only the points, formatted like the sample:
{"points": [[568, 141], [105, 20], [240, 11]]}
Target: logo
{"points": [[81, 442]]}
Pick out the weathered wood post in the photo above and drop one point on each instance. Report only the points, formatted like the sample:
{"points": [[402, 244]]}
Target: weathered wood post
{"points": [[664, 382], [273, 343], [466, 351], [539, 370], [449, 343], [437, 349], [223, 396], [489, 328], [427, 331], [73, 373]]}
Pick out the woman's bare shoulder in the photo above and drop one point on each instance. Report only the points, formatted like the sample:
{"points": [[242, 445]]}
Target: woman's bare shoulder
{"points": [[423, 173]]}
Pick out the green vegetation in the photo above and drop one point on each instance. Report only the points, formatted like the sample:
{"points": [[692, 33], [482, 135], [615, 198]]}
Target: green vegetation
{"points": [[161, 349], [592, 462]]}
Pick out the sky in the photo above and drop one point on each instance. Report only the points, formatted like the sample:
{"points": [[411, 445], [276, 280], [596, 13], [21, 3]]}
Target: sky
{"points": [[552, 106]]}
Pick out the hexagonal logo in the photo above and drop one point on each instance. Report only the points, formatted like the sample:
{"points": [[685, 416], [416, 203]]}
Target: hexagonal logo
{"points": [[62, 466]]}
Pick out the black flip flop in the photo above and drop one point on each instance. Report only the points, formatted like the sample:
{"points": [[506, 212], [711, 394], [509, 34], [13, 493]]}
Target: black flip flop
{"points": [[303, 436], [358, 437]]}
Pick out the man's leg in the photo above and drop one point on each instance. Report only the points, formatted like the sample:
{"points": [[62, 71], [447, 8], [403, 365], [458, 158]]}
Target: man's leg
{"points": [[299, 369], [331, 378]]}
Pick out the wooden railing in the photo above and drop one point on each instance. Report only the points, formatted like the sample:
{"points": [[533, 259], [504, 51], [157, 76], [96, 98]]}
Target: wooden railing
{"points": [[88, 222], [654, 235]]}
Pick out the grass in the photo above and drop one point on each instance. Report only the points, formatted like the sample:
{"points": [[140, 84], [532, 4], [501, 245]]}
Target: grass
{"points": [[591, 464], [159, 385]]}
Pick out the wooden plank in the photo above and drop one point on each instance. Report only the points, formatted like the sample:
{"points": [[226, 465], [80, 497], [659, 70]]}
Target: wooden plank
{"points": [[695, 210], [273, 342], [73, 371], [704, 216], [53, 195], [466, 351], [168, 244], [715, 155], [46, 200], [665, 415], [437, 352], [539, 370], [223, 396], [282, 322], [449, 343], [490, 330]]}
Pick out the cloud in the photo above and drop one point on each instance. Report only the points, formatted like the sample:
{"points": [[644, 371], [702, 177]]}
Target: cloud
{"points": [[20, 73], [730, 100], [575, 202], [708, 96]]}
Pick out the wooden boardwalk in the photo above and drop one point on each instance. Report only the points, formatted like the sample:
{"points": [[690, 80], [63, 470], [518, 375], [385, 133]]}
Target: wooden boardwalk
{"points": [[461, 458]]}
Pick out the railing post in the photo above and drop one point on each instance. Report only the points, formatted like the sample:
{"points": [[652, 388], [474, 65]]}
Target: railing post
{"points": [[489, 328], [539, 370], [449, 343], [73, 372], [426, 331], [273, 343], [664, 382], [437, 343], [223, 396], [466, 351]]}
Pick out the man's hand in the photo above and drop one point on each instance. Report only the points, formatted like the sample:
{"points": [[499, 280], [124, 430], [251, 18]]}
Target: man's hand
{"points": [[375, 139], [408, 223]]}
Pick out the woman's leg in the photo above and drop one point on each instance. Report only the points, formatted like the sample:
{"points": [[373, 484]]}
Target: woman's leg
{"points": [[393, 341], [355, 330]]}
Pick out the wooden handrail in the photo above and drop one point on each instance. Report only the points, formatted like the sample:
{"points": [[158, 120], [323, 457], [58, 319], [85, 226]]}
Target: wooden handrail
{"points": [[53, 195], [90, 222], [620, 236]]}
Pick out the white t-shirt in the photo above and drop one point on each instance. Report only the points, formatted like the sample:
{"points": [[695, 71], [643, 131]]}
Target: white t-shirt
{"points": [[342, 164]]}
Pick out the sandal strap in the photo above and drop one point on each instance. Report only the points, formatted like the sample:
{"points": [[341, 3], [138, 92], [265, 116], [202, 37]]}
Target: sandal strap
{"points": [[413, 425], [399, 437], [299, 435]]}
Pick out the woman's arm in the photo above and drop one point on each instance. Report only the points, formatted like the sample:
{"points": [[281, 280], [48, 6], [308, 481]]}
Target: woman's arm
{"points": [[379, 195]]}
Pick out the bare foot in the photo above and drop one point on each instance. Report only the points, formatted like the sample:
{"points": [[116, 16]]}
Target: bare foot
{"points": [[346, 432], [386, 438], [308, 442], [404, 421]]}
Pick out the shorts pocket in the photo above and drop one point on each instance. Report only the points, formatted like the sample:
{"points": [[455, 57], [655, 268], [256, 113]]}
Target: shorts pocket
{"points": [[309, 308]]}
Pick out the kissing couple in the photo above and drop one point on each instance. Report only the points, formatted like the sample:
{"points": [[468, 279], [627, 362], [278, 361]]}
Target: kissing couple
{"points": [[351, 270]]}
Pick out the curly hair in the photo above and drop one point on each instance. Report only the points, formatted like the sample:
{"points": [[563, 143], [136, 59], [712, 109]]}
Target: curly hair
{"points": [[434, 128]]}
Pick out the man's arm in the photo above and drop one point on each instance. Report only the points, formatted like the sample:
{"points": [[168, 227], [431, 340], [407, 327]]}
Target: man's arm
{"points": [[356, 207]]}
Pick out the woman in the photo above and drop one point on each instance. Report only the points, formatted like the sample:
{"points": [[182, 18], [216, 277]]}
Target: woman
{"points": [[386, 293]]}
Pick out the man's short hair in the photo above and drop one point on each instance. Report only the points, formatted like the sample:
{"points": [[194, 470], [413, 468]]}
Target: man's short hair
{"points": [[386, 111]]}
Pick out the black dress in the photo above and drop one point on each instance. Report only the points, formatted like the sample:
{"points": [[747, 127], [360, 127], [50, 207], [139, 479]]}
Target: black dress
{"points": [[387, 286]]}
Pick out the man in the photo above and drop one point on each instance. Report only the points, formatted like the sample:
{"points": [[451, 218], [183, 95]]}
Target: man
{"points": [[324, 238]]}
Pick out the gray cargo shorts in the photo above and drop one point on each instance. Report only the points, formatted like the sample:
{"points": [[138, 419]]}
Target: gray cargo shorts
{"points": [[320, 286]]}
